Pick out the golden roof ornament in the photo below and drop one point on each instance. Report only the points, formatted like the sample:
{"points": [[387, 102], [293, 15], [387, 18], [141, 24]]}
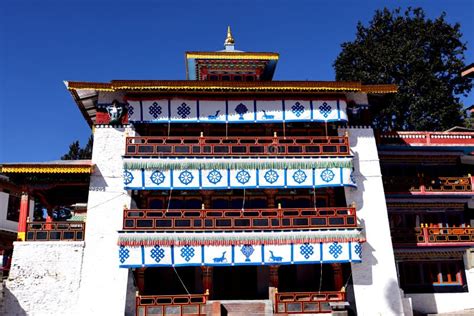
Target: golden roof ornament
{"points": [[229, 41]]}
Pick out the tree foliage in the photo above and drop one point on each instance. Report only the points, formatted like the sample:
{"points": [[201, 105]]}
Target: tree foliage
{"points": [[423, 57], [76, 152]]}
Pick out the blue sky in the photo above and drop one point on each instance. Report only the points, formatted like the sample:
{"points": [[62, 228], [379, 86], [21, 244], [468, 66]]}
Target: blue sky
{"points": [[45, 42]]}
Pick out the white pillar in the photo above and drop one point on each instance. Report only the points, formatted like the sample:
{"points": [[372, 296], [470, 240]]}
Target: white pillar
{"points": [[375, 280], [103, 287]]}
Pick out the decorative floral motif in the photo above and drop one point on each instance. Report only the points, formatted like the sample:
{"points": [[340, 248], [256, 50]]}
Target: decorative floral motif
{"points": [[297, 109], [214, 176], [327, 175], [184, 110], [306, 250], [130, 109], [241, 109], [157, 177], [247, 251], [186, 177], [325, 109], [243, 176], [299, 176], [127, 177], [271, 176], [358, 249], [155, 110], [335, 249], [187, 252], [124, 254], [157, 253]]}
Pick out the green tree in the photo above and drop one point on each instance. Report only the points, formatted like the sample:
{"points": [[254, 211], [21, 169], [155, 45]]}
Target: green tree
{"points": [[76, 152], [423, 57]]}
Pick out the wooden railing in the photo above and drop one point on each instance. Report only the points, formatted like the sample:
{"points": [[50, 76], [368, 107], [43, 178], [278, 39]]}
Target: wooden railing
{"points": [[235, 219], [192, 304], [433, 235], [427, 138], [306, 302], [238, 146], [427, 185], [55, 231]]}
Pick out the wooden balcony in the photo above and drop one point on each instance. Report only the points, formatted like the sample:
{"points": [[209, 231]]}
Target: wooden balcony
{"points": [[433, 236], [464, 139], [192, 304], [428, 185], [238, 220], [55, 231], [306, 302], [238, 146]]}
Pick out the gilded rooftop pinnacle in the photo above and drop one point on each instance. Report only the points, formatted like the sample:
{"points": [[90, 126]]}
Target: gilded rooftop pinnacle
{"points": [[229, 41]]}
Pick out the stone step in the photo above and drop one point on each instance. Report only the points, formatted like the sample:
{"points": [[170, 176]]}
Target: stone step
{"points": [[241, 308]]}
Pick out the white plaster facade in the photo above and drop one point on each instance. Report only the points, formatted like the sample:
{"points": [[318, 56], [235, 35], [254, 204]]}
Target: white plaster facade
{"points": [[103, 284], [44, 278], [375, 280]]}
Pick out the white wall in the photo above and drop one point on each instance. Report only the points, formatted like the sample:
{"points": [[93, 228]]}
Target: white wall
{"points": [[375, 280], [44, 278], [5, 224], [103, 284]]}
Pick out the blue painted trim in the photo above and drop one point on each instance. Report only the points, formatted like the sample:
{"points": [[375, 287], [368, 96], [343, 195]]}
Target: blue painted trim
{"points": [[171, 180], [169, 110], [202, 254], [257, 180], [200, 178], [313, 171], [340, 175], [283, 109], [143, 178], [232, 254], [337, 185], [176, 120], [263, 253], [312, 111], [141, 111], [172, 255], [228, 178], [255, 111], [197, 111], [321, 252], [350, 251], [338, 109], [285, 174], [226, 111], [143, 254]]}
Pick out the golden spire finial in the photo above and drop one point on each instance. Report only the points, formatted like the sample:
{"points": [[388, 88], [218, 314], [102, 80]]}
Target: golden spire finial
{"points": [[229, 41]]}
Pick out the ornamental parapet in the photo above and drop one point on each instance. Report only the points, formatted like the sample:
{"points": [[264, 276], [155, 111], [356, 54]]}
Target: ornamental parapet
{"points": [[307, 302], [236, 173], [433, 236], [463, 139], [258, 146], [428, 185], [229, 248], [55, 231], [238, 220]]}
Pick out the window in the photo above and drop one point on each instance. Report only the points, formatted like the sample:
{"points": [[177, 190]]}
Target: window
{"points": [[13, 211], [432, 276]]}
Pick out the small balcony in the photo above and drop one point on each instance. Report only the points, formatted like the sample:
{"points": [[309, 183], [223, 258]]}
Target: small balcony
{"points": [[299, 146], [464, 139], [428, 185], [307, 302], [191, 304], [433, 236], [55, 231], [238, 220]]}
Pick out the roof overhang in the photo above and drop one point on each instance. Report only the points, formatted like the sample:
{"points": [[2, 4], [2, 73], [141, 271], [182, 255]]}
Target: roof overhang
{"points": [[53, 167]]}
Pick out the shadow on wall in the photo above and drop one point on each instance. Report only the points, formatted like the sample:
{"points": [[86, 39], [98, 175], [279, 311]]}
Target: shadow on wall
{"points": [[11, 306], [393, 297], [368, 260], [97, 181]]}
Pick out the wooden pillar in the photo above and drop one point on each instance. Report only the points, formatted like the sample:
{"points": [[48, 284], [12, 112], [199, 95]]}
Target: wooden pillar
{"points": [[24, 208], [337, 273], [140, 280], [274, 276], [270, 193], [207, 279]]}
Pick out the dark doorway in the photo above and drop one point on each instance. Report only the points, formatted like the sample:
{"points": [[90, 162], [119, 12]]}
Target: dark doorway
{"points": [[305, 278], [240, 283], [165, 281]]}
